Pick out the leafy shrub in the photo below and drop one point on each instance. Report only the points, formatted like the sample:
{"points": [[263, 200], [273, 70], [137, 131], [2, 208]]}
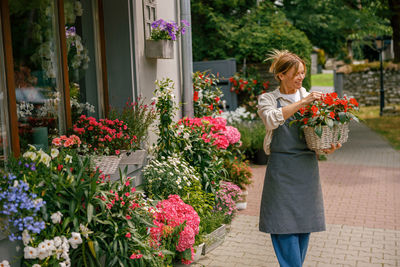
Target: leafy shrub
{"points": [[239, 172], [206, 94], [168, 176], [137, 116]]}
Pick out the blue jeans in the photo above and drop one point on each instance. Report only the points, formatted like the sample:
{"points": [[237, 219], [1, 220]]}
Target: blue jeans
{"points": [[290, 249]]}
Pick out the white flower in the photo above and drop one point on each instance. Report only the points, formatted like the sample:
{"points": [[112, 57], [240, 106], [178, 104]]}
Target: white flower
{"points": [[36, 265], [43, 254], [68, 159], [4, 264], [84, 230], [75, 240], [44, 158], [50, 245], [54, 153], [57, 241], [31, 155], [15, 183], [56, 217], [65, 255], [42, 247], [30, 253], [26, 237], [62, 264]]}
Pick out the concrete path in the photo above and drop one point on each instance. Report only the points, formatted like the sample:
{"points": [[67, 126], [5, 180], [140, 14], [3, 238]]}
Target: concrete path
{"points": [[361, 186]]}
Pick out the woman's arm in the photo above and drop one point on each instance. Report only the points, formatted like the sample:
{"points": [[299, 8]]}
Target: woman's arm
{"points": [[290, 109]]}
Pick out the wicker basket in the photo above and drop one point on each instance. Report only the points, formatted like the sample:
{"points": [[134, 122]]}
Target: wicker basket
{"points": [[336, 135], [107, 164]]}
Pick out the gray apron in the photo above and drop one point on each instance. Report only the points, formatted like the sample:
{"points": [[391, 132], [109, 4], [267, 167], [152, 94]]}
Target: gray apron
{"points": [[292, 197]]}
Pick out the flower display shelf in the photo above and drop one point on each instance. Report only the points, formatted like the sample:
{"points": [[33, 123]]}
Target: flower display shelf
{"points": [[163, 49], [336, 135], [214, 239]]}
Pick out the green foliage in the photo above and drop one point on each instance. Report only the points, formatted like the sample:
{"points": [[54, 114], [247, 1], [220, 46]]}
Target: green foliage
{"points": [[239, 172], [329, 24], [212, 221], [253, 134], [207, 95], [166, 110], [258, 31], [168, 177], [138, 116]]}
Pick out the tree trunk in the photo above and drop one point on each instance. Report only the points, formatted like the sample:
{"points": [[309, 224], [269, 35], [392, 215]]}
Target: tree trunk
{"points": [[394, 6]]}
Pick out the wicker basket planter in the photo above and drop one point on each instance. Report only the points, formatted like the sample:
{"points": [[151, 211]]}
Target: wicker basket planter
{"points": [[214, 239], [336, 135], [107, 164]]}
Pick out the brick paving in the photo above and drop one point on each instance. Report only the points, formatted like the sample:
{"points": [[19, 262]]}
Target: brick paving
{"points": [[361, 186]]}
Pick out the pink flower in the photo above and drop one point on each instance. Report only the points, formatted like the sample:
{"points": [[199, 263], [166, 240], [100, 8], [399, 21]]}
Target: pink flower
{"points": [[117, 152], [128, 235], [135, 256], [232, 134]]}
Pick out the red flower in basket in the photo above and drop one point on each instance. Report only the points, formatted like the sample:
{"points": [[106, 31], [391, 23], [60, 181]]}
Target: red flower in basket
{"points": [[325, 122]]}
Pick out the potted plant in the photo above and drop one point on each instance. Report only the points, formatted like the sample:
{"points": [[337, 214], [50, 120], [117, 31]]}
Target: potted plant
{"points": [[239, 173], [163, 33], [106, 140], [325, 122]]}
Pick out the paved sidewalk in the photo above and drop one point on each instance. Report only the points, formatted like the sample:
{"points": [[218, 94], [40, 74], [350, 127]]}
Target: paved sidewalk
{"points": [[361, 186]]}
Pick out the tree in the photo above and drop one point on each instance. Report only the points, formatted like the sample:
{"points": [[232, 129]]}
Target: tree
{"points": [[394, 7], [334, 24]]}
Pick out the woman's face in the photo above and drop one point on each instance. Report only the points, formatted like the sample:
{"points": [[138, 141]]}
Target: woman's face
{"points": [[293, 80]]}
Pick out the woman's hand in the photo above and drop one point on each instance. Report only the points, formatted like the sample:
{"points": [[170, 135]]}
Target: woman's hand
{"points": [[311, 97], [332, 149]]}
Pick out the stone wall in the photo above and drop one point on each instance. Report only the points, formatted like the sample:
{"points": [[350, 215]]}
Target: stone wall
{"points": [[365, 86]]}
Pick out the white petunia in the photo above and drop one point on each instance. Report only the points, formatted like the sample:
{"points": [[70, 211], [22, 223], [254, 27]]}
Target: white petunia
{"points": [[50, 245], [68, 159], [42, 247], [57, 241], [44, 158], [4, 264], [54, 153], [36, 265], [75, 240], [30, 253], [26, 237], [31, 155], [56, 217]]}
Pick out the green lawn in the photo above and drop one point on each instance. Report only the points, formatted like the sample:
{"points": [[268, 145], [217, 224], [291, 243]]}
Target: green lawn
{"points": [[322, 79], [387, 126]]}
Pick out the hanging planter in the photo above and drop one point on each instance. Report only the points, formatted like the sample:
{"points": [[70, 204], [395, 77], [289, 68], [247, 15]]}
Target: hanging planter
{"points": [[163, 49]]}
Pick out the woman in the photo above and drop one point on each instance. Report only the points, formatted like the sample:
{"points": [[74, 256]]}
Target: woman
{"points": [[291, 205]]}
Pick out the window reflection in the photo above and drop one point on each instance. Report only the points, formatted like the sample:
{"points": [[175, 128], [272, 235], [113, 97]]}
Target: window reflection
{"points": [[37, 76], [81, 58]]}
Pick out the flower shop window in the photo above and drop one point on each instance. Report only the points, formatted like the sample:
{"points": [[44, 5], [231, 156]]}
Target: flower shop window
{"points": [[3, 103], [84, 72], [37, 68]]}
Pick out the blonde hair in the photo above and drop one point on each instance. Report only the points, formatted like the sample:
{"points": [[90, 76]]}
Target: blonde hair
{"points": [[283, 61]]}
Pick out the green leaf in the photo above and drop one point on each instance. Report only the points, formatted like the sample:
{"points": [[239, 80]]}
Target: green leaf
{"points": [[342, 117], [329, 122], [90, 210], [318, 130]]}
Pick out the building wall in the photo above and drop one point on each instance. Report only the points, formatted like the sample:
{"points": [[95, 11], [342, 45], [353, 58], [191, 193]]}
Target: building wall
{"points": [[149, 70]]}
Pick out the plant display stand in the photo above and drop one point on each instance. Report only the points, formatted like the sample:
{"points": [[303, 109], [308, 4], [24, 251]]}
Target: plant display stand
{"points": [[214, 239]]}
